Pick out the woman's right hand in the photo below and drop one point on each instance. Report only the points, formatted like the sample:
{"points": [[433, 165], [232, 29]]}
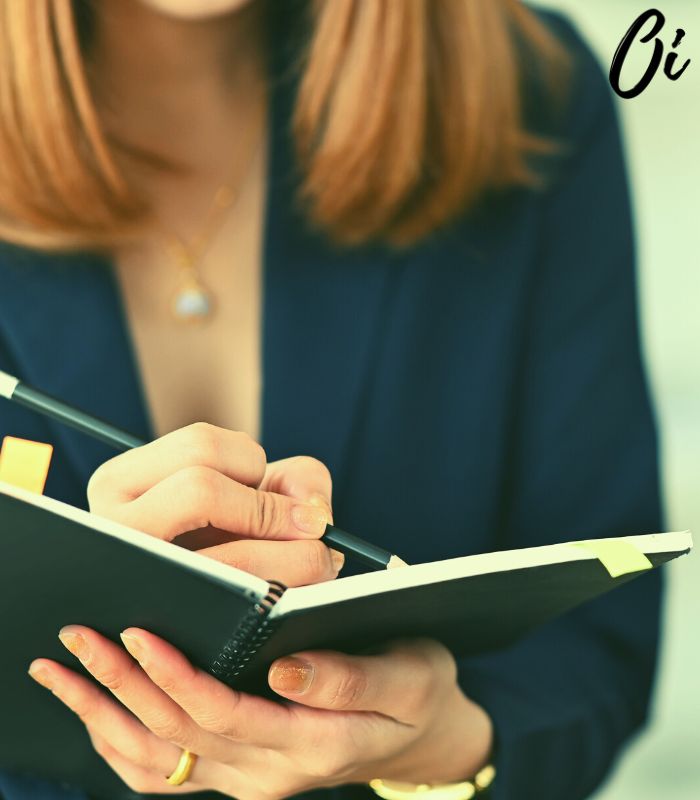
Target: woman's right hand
{"points": [[214, 489]]}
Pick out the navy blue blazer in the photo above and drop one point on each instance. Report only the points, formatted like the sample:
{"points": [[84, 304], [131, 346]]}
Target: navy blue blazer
{"points": [[482, 390]]}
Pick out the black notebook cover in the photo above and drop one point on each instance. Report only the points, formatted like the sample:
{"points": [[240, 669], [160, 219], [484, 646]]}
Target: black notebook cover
{"points": [[60, 565]]}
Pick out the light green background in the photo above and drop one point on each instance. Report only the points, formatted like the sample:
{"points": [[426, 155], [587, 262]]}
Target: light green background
{"points": [[662, 131]]}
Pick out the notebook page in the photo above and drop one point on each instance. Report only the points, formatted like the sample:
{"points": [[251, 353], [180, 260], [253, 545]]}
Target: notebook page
{"points": [[372, 583]]}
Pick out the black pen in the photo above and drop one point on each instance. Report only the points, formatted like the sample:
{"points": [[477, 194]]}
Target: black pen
{"points": [[13, 389]]}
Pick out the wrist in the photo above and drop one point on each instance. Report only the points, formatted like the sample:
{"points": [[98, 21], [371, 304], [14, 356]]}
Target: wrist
{"points": [[458, 758], [463, 744], [454, 748]]}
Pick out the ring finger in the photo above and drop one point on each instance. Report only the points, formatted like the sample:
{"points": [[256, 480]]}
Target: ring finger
{"points": [[138, 779], [118, 672], [115, 730]]}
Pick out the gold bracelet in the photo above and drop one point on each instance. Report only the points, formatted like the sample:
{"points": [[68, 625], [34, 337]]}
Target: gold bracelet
{"points": [[394, 790]]}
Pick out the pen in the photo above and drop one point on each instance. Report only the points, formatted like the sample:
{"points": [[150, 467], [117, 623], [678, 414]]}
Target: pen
{"points": [[13, 389]]}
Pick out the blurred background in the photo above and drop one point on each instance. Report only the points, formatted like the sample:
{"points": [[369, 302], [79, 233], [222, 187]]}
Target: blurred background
{"points": [[662, 131]]}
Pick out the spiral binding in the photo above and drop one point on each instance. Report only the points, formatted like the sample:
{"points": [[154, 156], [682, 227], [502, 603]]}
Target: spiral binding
{"points": [[251, 634]]}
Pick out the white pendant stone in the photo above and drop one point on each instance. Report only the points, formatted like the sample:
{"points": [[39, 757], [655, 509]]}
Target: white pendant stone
{"points": [[192, 304]]}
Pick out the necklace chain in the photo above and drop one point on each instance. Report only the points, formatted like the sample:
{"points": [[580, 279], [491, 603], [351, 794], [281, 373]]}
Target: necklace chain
{"points": [[193, 302], [188, 254]]}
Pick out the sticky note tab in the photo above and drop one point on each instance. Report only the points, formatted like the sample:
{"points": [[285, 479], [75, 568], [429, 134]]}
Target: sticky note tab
{"points": [[24, 463], [618, 557]]}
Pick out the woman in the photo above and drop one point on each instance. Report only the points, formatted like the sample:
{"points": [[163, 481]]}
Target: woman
{"points": [[425, 281]]}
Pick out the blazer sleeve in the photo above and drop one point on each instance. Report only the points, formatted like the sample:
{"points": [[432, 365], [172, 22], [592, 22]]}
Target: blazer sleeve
{"points": [[15, 420], [582, 464]]}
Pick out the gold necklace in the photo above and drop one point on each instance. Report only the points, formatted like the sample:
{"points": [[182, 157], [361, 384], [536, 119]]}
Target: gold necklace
{"points": [[192, 301]]}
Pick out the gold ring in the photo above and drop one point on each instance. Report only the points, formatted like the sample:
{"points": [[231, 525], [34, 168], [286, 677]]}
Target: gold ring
{"points": [[184, 768]]}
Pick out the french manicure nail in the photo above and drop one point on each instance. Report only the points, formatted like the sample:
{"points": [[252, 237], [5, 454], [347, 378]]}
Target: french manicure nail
{"points": [[75, 643], [42, 676], [133, 645], [291, 675], [310, 519]]}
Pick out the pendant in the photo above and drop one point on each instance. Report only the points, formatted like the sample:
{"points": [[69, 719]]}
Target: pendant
{"points": [[192, 303]]}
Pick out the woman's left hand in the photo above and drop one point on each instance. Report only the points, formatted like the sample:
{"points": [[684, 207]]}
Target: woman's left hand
{"points": [[399, 715]]}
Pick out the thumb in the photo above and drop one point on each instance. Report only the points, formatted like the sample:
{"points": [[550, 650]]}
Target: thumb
{"points": [[399, 683], [324, 680]]}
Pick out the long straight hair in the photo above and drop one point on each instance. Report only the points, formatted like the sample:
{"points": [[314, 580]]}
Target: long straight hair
{"points": [[407, 112]]}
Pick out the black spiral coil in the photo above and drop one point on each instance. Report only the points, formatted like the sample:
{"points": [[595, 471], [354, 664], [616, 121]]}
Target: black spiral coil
{"points": [[250, 635]]}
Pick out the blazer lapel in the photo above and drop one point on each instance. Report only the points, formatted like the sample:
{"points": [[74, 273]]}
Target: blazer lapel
{"points": [[62, 319], [323, 309], [322, 314]]}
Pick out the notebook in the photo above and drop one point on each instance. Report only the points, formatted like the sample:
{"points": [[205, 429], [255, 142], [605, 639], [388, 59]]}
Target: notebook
{"points": [[63, 565]]}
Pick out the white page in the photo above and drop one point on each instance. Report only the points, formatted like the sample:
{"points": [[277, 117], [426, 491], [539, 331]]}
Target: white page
{"points": [[437, 571]]}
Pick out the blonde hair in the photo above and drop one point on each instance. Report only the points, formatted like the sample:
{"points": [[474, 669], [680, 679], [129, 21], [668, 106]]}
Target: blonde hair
{"points": [[407, 112]]}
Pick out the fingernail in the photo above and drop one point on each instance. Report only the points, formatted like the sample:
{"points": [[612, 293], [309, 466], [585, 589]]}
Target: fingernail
{"points": [[133, 645], [75, 643], [310, 519], [42, 676], [291, 675], [320, 501], [338, 560]]}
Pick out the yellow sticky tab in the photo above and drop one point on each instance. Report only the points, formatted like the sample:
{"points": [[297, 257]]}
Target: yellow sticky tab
{"points": [[618, 557], [25, 464]]}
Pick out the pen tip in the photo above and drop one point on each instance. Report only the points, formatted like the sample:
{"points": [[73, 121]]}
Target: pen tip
{"points": [[395, 562]]}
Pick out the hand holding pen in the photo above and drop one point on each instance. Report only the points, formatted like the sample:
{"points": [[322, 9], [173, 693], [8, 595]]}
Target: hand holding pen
{"points": [[214, 489]]}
